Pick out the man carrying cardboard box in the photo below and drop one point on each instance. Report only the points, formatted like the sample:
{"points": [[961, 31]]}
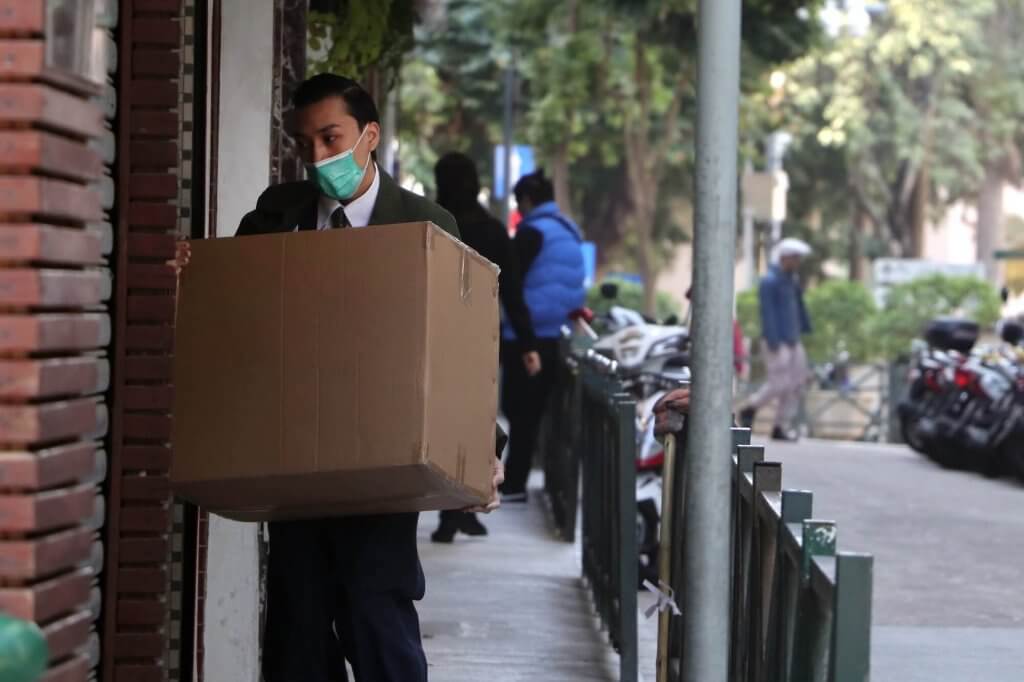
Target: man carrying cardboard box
{"points": [[342, 588]]}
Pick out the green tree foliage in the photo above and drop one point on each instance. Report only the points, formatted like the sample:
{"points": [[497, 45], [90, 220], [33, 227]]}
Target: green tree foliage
{"points": [[910, 306], [606, 97], [845, 318], [352, 37], [892, 126]]}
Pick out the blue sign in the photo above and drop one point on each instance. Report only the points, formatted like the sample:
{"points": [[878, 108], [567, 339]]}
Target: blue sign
{"points": [[522, 163], [589, 263]]}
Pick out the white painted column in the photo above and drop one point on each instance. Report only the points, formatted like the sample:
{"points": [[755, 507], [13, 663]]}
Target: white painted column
{"points": [[231, 610]]}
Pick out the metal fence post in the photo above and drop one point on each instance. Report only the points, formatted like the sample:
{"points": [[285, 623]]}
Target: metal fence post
{"points": [[708, 527]]}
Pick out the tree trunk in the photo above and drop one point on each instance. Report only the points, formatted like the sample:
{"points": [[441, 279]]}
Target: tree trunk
{"points": [[990, 220], [856, 253], [919, 213], [560, 178]]}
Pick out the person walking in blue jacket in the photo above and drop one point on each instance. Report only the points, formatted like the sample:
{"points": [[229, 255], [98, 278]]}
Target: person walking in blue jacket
{"points": [[784, 321], [549, 247]]}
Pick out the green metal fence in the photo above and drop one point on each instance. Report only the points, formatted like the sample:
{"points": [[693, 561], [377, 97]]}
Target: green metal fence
{"points": [[607, 448], [800, 610]]}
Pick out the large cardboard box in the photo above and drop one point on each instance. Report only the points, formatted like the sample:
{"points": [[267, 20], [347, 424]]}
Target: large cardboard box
{"points": [[335, 373]]}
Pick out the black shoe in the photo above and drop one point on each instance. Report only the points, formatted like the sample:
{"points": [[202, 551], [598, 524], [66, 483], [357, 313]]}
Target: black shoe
{"points": [[779, 434], [513, 496], [445, 533], [470, 525], [747, 418]]}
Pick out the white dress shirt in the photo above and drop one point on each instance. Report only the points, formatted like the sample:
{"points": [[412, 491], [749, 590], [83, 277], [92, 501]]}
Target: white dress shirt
{"points": [[358, 211]]}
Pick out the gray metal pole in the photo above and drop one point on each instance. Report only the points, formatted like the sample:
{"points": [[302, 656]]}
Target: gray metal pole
{"points": [[507, 129], [708, 518]]}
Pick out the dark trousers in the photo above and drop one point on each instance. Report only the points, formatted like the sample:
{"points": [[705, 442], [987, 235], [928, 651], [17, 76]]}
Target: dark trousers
{"points": [[342, 589], [523, 400]]}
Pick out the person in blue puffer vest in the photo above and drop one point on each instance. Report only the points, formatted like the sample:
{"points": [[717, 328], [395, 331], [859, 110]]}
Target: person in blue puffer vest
{"points": [[549, 246]]}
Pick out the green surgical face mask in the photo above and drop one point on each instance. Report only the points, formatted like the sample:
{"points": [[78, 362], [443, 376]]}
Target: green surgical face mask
{"points": [[339, 176]]}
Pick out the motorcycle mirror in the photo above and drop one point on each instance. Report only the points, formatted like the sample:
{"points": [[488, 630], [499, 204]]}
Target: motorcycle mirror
{"points": [[671, 321], [610, 291], [1012, 332]]}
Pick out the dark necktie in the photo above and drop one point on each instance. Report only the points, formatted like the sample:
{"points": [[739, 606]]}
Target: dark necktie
{"points": [[339, 220]]}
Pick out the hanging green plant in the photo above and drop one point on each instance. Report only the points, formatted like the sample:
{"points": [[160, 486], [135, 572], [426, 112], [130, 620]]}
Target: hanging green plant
{"points": [[352, 37]]}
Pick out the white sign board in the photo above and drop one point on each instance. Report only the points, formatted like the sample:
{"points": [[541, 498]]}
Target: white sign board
{"points": [[888, 272], [764, 194]]}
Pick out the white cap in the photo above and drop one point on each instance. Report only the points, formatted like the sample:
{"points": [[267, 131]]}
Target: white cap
{"points": [[790, 247]]}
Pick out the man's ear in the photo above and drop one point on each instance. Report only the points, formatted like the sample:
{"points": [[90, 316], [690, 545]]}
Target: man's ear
{"points": [[372, 133]]}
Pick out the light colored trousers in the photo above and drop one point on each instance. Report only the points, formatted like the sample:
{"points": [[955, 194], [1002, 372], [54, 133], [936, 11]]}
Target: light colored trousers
{"points": [[786, 369]]}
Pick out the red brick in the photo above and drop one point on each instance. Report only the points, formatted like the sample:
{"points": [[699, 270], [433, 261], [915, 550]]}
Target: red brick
{"points": [[148, 337], [34, 151], [163, 31], [159, 247], [139, 551], [53, 288], [148, 458], [164, 216], [139, 519], [42, 105], [145, 488], [73, 670], [147, 426], [152, 277], [67, 635], [47, 468], [33, 196], [49, 245], [31, 559], [155, 123], [141, 368], [139, 672], [151, 308], [140, 612], [156, 155], [47, 510], [156, 63], [153, 186], [57, 377], [49, 422], [53, 333], [21, 59], [148, 398], [142, 580], [167, 7], [132, 645], [22, 17], [152, 94], [47, 600]]}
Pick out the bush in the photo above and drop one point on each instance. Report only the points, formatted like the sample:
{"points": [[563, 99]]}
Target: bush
{"points": [[909, 306], [844, 315], [631, 295], [841, 315]]}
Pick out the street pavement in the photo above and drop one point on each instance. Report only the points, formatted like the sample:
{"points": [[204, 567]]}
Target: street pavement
{"points": [[949, 557]]}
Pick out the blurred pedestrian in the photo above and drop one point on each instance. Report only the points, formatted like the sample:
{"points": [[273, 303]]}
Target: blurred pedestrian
{"points": [[784, 321], [549, 249], [458, 189]]}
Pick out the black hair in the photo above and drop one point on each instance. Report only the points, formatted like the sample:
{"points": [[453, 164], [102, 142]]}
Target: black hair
{"points": [[458, 182], [535, 187], [357, 100]]}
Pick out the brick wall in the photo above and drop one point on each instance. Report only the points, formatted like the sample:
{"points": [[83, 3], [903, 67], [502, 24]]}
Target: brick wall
{"points": [[55, 286], [135, 633]]}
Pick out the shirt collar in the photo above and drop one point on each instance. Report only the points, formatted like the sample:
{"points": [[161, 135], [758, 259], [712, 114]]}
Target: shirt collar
{"points": [[358, 211]]}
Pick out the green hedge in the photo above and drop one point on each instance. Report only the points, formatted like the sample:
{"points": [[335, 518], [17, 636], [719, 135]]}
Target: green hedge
{"points": [[631, 295], [845, 318]]}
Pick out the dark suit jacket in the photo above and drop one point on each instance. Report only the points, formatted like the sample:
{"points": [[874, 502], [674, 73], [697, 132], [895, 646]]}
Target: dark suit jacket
{"points": [[282, 208]]}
